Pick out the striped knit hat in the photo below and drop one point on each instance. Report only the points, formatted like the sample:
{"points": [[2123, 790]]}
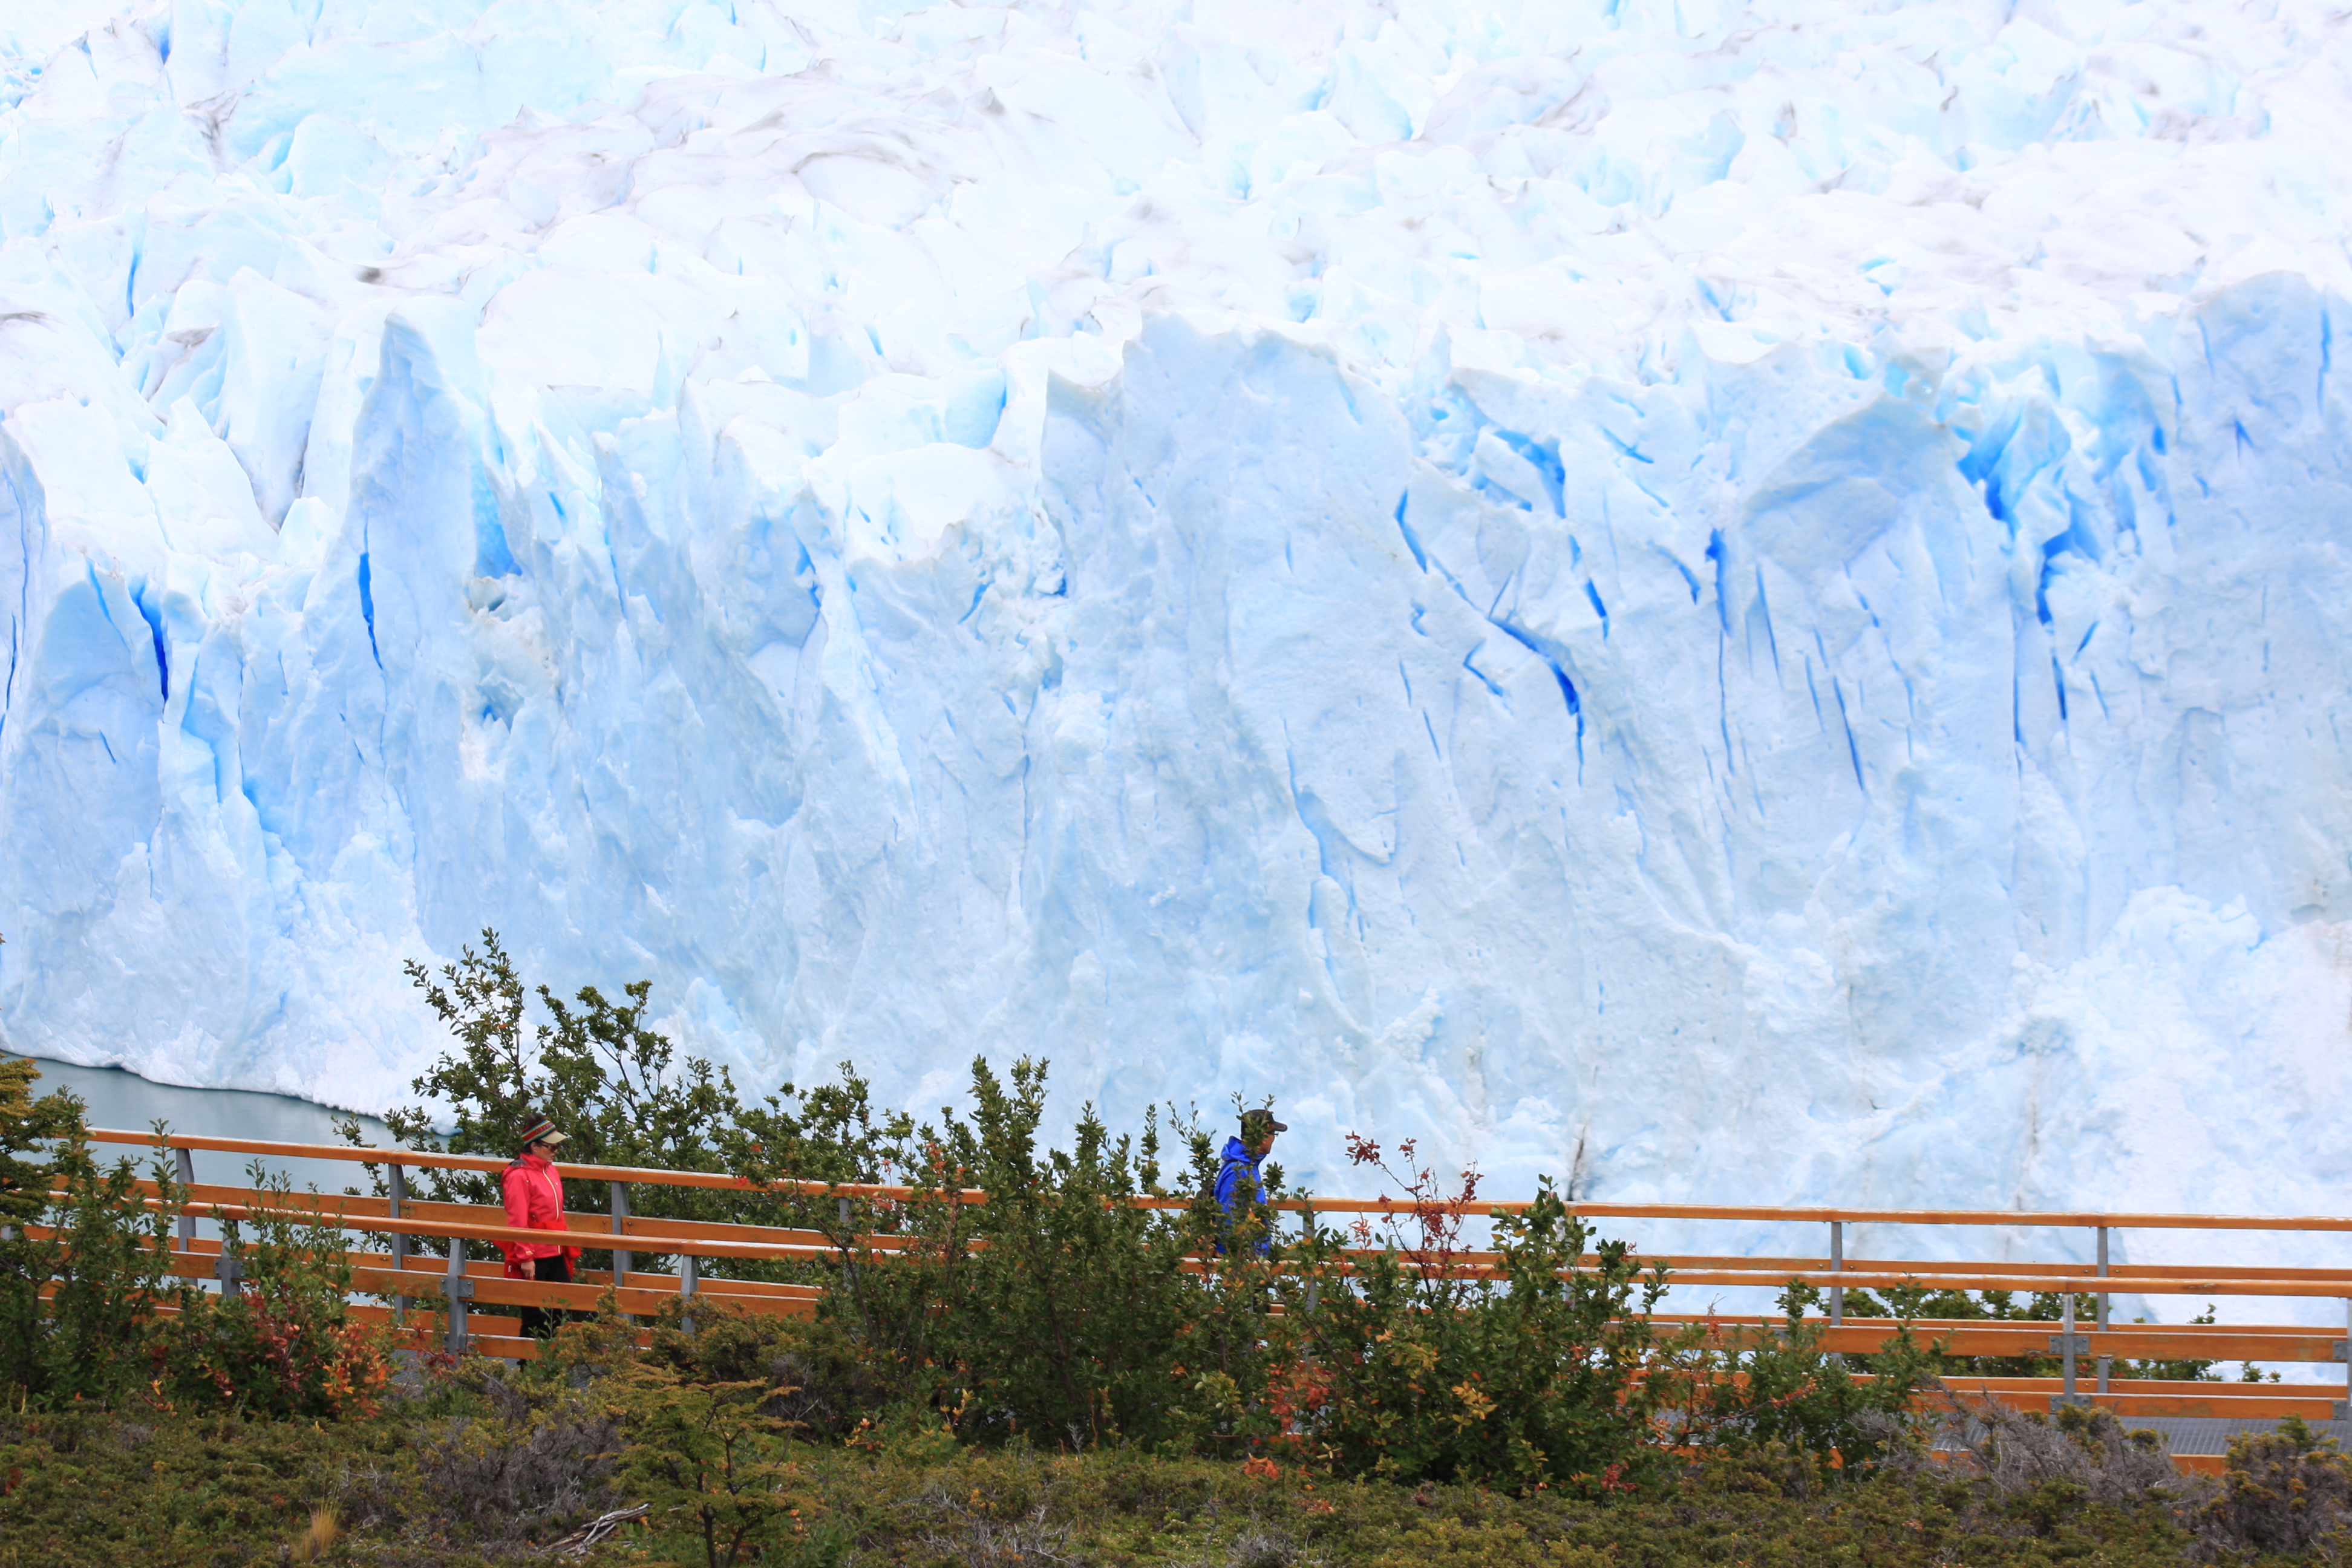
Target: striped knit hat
{"points": [[541, 1130]]}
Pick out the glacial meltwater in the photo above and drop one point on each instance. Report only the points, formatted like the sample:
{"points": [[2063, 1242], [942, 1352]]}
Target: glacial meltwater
{"points": [[118, 1099]]}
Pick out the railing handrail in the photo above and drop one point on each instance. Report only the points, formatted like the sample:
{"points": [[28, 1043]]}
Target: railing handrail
{"points": [[683, 1237], [465, 1230], [641, 1176], [654, 1234], [433, 1159], [388, 1216]]}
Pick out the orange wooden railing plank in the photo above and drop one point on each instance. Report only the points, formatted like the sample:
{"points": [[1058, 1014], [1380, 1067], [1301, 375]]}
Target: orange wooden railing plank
{"points": [[719, 1240], [1689, 1268], [2016, 1219], [645, 1293], [429, 1159], [2226, 1401], [357, 1207], [1767, 1279], [1931, 1269], [2082, 1284], [2004, 1218], [1929, 1327], [2221, 1345], [2321, 1393], [417, 1278], [1977, 1336], [501, 1233]]}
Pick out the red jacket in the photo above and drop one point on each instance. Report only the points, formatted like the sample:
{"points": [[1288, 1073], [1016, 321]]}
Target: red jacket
{"points": [[534, 1195]]}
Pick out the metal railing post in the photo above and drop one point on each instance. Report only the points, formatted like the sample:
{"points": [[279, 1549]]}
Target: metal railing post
{"points": [[621, 1256], [2104, 1359], [2067, 1328], [1306, 1233], [1837, 1266], [396, 1196], [689, 1275], [226, 1268], [456, 1290], [183, 1166], [1837, 1292], [848, 1251], [2343, 1411]]}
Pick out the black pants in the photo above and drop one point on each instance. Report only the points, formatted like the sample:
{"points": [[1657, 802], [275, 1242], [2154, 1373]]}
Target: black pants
{"points": [[540, 1322]]}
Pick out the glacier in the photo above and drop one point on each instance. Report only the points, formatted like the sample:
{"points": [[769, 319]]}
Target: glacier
{"points": [[1724, 600]]}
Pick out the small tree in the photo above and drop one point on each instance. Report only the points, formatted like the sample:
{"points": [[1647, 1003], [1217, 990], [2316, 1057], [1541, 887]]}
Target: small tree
{"points": [[615, 1086], [285, 1344], [83, 1258], [1425, 1360], [1057, 1307], [708, 1460], [1779, 1390]]}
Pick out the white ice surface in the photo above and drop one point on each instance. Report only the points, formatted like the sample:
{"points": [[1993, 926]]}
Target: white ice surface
{"points": [[1742, 602]]}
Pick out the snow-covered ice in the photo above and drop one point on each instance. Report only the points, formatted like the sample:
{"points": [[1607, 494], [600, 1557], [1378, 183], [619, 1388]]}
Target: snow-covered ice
{"points": [[1740, 602]]}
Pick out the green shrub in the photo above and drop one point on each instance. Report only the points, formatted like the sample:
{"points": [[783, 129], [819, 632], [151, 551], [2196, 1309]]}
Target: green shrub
{"points": [[821, 1386], [710, 1461], [2289, 1491], [1055, 1308], [492, 1465], [1909, 1304], [615, 1088], [2071, 1451], [1532, 1376], [1777, 1394], [115, 1325], [284, 1343], [81, 1231]]}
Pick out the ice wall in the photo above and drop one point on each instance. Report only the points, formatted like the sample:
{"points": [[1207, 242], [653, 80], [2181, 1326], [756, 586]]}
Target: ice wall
{"points": [[1745, 602]]}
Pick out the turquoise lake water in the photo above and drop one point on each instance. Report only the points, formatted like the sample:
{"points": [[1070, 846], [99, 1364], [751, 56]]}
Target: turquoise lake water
{"points": [[121, 1100]]}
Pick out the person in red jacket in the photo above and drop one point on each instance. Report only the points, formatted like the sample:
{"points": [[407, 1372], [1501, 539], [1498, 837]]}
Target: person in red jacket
{"points": [[534, 1199]]}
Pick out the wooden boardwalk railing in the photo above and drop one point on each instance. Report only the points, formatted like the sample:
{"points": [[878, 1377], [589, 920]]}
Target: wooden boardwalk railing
{"points": [[464, 1288]]}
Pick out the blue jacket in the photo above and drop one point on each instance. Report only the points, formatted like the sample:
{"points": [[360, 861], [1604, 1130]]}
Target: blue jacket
{"points": [[1238, 1181]]}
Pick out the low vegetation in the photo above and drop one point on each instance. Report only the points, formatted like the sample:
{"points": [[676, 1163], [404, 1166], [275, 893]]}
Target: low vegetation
{"points": [[481, 1465], [1071, 1389]]}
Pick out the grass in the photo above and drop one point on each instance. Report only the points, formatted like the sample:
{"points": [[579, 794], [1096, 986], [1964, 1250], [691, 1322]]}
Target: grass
{"points": [[108, 1491], [466, 1478]]}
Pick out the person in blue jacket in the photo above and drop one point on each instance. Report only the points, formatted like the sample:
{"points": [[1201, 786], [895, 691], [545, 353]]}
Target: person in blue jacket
{"points": [[1238, 1181]]}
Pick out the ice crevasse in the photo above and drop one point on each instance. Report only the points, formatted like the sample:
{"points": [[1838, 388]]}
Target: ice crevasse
{"points": [[1736, 601]]}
